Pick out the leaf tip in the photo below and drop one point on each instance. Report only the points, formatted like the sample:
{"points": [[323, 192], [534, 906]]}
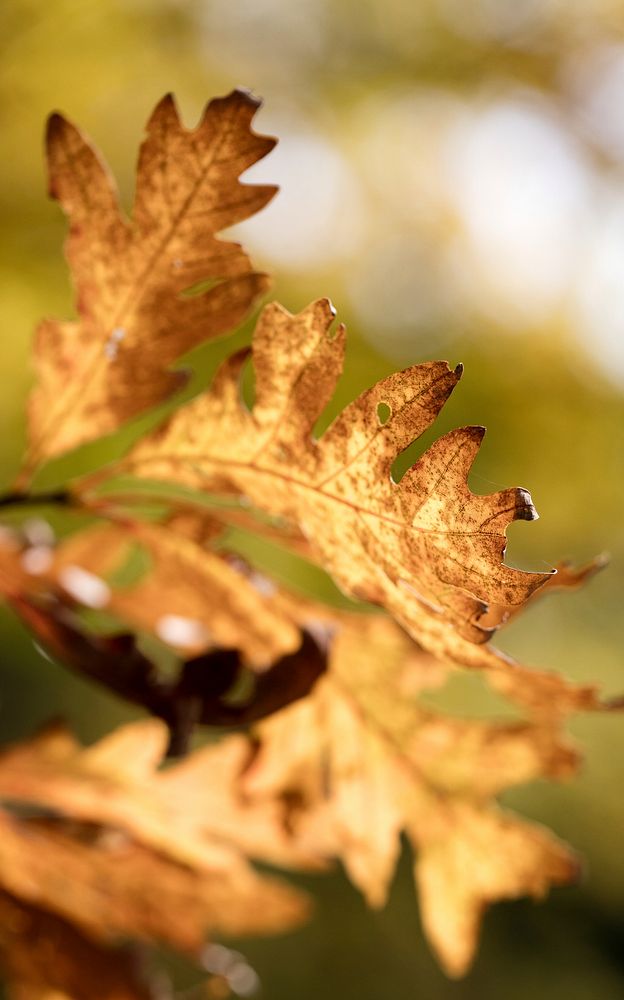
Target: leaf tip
{"points": [[243, 95], [568, 868], [167, 101], [476, 433], [600, 562], [238, 101], [57, 130], [165, 111], [268, 190], [327, 308], [525, 508], [456, 968], [55, 125]]}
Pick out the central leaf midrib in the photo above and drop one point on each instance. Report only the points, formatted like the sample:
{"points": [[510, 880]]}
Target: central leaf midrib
{"points": [[195, 460]]}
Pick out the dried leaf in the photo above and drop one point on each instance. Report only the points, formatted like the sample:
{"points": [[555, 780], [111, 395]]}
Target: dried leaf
{"points": [[191, 812], [473, 859], [539, 692], [102, 840], [567, 576], [362, 761], [427, 548], [134, 321], [102, 836], [201, 691], [45, 958], [112, 887], [190, 597]]}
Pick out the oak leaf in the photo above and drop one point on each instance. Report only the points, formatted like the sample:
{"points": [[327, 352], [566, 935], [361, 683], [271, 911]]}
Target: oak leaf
{"points": [[46, 958], [190, 597], [50, 587], [360, 761], [33, 592], [113, 888], [164, 854], [567, 576], [98, 839], [427, 549], [131, 275], [191, 812]]}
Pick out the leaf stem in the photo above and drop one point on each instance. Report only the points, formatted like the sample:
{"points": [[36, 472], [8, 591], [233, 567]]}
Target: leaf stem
{"points": [[17, 499]]}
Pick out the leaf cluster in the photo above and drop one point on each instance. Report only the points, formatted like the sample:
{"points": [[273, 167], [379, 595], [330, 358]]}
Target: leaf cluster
{"points": [[336, 754]]}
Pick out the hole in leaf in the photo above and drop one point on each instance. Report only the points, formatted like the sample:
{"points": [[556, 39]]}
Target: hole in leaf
{"points": [[248, 385], [384, 412], [200, 288], [134, 564], [242, 690]]}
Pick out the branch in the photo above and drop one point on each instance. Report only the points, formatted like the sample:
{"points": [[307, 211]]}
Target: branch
{"points": [[17, 499]]}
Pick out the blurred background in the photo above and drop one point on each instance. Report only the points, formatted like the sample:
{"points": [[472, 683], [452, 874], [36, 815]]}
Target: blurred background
{"points": [[452, 176]]}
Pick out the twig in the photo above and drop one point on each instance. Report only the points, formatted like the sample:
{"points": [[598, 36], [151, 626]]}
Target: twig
{"points": [[35, 499]]}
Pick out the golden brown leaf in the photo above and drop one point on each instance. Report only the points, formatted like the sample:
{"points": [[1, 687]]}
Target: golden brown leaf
{"points": [[45, 958], [130, 276], [538, 692], [112, 887], [426, 548], [102, 836], [362, 761], [119, 850], [474, 858], [566, 577], [190, 597], [191, 812]]}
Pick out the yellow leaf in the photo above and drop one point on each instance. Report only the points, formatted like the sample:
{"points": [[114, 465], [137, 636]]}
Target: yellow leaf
{"points": [[131, 851], [128, 848], [45, 958], [190, 812], [360, 760], [111, 887], [130, 275], [566, 577], [477, 859], [427, 549], [190, 597]]}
